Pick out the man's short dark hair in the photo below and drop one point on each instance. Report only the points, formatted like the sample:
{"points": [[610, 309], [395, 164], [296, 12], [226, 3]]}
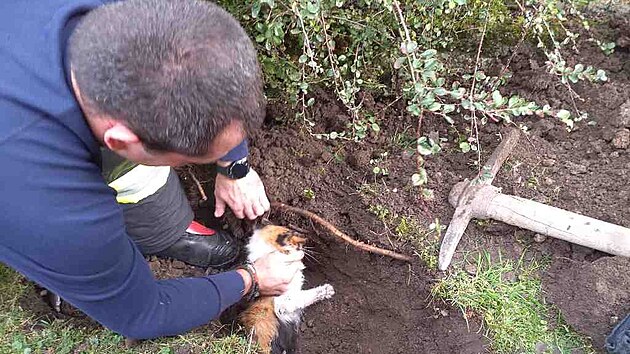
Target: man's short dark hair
{"points": [[175, 71]]}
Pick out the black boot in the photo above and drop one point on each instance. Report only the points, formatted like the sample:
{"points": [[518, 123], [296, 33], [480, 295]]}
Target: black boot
{"points": [[618, 342], [204, 247]]}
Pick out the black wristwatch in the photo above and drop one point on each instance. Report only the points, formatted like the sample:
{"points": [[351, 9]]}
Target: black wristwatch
{"points": [[236, 170]]}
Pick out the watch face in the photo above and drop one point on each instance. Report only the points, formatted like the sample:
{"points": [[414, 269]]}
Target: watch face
{"points": [[239, 170]]}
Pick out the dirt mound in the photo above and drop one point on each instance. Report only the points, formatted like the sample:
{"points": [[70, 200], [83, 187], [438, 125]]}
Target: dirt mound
{"points": [[599, 296]]}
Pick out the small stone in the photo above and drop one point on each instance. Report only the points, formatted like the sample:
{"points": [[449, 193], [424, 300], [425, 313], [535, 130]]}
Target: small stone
{"points": [[178, 264], [548, 181], [541, 348], [539, 238], [509, 277], [130, 343], [614, 320], [614, 154], [177, 273], [310, 323], [183, 350], [155, 266], [444, 313], [548, 162], [302, 327], [471, 269], [575, 168], [622, 120], [621, 139]]}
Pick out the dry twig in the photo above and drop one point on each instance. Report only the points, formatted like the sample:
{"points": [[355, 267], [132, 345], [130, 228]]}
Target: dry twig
{"points": [[204, 197], [333, 230]]}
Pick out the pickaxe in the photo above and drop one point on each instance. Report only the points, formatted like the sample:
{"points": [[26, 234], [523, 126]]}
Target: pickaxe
{"points": [[480, 200]]}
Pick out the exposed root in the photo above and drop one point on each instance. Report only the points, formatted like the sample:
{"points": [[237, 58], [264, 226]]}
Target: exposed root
{"points": [[333, 230]]}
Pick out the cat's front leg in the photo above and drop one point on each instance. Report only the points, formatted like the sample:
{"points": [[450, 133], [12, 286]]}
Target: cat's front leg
{"points": [[291, 303]]}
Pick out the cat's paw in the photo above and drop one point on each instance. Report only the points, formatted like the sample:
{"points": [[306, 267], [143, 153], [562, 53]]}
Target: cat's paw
{"points": [[327, 291]]}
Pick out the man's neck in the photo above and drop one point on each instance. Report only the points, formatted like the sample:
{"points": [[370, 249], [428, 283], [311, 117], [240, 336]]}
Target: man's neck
{"points": [[98, 125]]}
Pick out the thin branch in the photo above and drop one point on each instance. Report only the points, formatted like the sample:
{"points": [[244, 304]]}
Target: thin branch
{"points": [[204, 197], [335, 232], [408, 38], [472, 91]]}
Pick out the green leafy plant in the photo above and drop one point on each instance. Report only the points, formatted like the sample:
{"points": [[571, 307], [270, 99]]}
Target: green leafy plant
{"points": [[415, 51]]}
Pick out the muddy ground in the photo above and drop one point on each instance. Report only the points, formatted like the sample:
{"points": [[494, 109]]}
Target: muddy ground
{"points": [[384, 306]]}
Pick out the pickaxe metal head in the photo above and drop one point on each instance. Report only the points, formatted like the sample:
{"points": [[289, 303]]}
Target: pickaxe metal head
{"points": [[468, 197]]}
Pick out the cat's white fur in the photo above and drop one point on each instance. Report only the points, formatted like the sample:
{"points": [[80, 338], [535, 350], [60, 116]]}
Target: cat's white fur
{"points": [[288, 306]]}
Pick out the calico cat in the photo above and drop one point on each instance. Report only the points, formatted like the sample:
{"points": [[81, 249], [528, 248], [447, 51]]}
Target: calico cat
{"points": [[274, 320]]}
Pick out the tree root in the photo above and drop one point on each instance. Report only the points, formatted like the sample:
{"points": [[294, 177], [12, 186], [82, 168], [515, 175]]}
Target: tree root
{"points": [[333, 230]]}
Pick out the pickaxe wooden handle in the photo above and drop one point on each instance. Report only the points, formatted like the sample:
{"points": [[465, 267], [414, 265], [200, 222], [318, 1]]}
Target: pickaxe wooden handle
{"points": [[478, 199]]}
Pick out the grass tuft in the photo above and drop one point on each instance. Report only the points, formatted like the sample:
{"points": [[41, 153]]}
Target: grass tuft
{"points": [[21, 333], [508, 296]]}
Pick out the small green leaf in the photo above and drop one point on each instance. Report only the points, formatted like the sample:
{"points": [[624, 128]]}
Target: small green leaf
{"points": [[303, 58], [408, 47], [399, 62], [563, 114], [464, 146], [513, 101], [333, 135], [429, 53], [448, 108], [440, 91], [420, 178], [434, 107], [310, 101], [497, 98]]}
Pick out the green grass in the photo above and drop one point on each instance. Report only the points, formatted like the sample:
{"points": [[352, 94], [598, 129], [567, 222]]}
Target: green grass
{"points": [[21, 333], [508, 296]]}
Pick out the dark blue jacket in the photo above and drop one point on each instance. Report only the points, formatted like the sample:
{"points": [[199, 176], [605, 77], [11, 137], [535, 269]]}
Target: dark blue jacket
{"points": [[60, 224]]}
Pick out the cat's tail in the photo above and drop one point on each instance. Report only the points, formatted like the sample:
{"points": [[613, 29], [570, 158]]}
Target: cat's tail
{"points": [[286, 340]]}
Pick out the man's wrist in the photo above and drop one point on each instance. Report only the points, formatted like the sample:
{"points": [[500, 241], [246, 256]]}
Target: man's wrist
{"points": [[252, 291], [247, 280]]}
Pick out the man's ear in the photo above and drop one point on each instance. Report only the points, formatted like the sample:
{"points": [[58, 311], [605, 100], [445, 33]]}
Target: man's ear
{"points": [[119, 137]]}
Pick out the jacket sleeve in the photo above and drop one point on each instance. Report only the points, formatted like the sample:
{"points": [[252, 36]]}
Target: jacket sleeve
{"points": [[61, 227], [240, 151]]}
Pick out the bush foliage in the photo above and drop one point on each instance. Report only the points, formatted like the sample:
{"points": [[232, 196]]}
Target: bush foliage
{"points": [[412, 49]]}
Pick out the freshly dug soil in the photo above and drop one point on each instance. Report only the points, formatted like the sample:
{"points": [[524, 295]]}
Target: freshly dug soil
{"points": [[599, 294]]}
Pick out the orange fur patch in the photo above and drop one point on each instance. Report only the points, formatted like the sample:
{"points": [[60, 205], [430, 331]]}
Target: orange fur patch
{"points": [[260, 319]]}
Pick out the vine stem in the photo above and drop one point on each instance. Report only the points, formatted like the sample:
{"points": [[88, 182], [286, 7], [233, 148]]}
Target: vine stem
{"points": [[472, 91], [335, 232], [403, 23]]}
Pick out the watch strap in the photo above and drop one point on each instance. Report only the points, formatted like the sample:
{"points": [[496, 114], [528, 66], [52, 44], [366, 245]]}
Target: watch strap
{"points": [[229, 170]]}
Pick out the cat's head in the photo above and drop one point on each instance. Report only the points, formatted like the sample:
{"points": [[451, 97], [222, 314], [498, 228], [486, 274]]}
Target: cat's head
{"points": [[272, 238], [283, 239]]}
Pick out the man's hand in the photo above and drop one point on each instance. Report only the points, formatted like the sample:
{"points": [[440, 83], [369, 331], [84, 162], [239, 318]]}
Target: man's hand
{"points": [[246, 196], [276, 270]]}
